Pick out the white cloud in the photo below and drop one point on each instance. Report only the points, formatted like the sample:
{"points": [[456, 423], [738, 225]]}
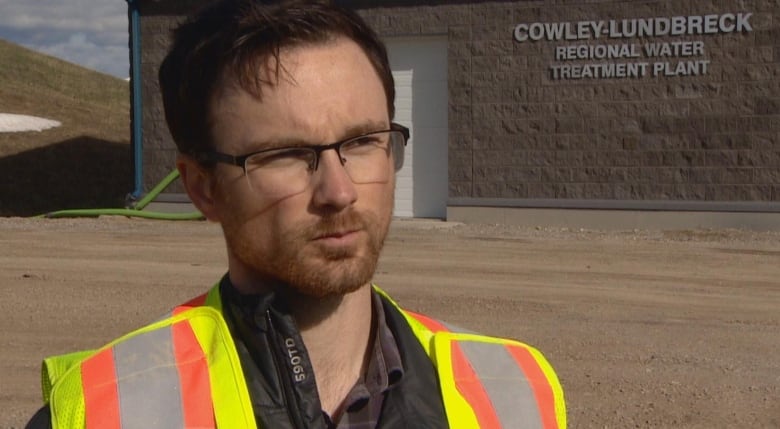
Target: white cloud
{"points": [[78, 49], [80, 15], [91, 33]]}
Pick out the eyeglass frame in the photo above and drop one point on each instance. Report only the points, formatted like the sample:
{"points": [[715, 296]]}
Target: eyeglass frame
{"points": [[240, 160]]}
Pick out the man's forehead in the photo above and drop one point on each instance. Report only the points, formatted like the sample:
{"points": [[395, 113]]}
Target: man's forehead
{"points": [[268, 71], [337, 95]]}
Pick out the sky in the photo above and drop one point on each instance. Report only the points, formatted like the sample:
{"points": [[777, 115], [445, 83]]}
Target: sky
{"points": [[91, 33]]}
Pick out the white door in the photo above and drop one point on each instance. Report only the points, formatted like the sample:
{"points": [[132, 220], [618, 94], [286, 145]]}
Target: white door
{"points": [[419, 67]]}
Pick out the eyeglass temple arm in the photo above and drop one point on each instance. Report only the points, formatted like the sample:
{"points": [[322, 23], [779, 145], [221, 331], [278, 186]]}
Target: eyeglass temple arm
{"points": [[224, 158], [398, 127]]}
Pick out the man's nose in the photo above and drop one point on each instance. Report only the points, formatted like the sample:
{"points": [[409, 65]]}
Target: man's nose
{"points": [[332, 185]]}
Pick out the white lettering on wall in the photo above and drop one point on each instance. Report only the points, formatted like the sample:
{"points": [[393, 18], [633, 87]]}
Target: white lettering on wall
{"points": [[632, 28], [632, 60]]}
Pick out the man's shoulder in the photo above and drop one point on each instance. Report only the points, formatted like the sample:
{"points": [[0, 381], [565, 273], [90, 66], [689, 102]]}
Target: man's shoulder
{"points": [[471, 365], [422, 325], [447, 345]]}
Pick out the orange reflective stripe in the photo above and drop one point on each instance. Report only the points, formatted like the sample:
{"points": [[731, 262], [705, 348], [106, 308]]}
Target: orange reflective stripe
{"points": [[470, 387], [432, 324], [539, 383], [194, 302], [197, 407], [101, 394]]}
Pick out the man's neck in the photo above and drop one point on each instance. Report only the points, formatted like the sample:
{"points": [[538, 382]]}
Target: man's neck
{"points": [[338, 334]]}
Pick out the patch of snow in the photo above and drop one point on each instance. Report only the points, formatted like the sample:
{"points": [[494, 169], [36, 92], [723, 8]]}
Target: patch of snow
{"points": [[10, 123]]}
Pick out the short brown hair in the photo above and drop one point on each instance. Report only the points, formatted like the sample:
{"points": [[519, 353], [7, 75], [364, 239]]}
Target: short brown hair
{"points": [[236, 38]]}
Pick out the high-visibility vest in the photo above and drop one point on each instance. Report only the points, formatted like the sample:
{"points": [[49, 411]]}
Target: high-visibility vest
{"points": [[184, 372]]}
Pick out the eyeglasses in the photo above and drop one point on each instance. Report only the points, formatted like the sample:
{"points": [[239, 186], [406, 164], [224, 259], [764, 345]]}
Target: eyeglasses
{"points": [[281, 172]]}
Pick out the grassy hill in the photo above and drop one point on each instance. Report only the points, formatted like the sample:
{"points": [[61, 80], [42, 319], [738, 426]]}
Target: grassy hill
{"points": [[86, 162]]}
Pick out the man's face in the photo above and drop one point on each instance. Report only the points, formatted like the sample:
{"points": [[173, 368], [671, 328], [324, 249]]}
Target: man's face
{"points": [[324, 240]]}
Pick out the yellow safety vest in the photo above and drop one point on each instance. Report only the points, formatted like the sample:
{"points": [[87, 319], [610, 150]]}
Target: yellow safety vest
{"points": [[184, 372]]}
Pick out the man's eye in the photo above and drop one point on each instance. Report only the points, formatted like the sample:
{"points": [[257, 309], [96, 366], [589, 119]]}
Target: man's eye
{"points": [[364, 143], [281, 159]]}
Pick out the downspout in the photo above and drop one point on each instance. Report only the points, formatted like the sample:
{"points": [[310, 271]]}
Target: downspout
{"points": [[135, 79]]}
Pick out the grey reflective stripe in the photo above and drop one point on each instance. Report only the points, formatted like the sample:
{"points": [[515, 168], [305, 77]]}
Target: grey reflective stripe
{"points": [[148, 381], [454, 328], [505, 384]]}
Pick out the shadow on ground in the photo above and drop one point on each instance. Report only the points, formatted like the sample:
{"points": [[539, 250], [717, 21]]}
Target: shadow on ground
{"points": [[81, 172]]}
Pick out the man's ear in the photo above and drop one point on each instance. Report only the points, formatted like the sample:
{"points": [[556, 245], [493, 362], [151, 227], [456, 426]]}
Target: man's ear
{"points": [[199, 185]]}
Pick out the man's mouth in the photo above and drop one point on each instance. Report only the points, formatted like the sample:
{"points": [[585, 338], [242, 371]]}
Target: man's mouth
{"points": [[337, 234], [338, 231]]}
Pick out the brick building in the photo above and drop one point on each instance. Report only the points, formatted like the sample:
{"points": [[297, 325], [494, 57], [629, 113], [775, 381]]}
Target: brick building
{"points": [[579, 112]]}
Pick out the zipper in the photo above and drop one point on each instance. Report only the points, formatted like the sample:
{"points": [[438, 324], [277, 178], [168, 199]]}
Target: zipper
{"points": [[282, 369]]}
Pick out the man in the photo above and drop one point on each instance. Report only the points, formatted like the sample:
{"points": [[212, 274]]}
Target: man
{"points": [[281, 112]]}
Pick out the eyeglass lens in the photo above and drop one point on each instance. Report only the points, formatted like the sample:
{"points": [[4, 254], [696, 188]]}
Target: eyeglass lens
{"points": [[283, 172]]}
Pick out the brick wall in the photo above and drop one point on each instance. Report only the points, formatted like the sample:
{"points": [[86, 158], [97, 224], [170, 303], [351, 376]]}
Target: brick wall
{"points": [[158, 19], [517, 133]]}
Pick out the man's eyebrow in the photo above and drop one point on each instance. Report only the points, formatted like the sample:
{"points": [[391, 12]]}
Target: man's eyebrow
{"points": [[351, 131], [364, 128]]}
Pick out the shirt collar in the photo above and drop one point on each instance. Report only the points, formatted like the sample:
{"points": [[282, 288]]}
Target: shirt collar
{"points": [[385, 368]]}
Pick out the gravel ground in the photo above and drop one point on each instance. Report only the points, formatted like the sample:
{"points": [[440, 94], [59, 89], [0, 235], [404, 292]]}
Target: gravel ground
{"points": [[673, 329]]}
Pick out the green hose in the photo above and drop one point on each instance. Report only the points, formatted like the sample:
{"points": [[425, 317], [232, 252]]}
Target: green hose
{"points": [[143, 202], [122, 212], [136, 210]]}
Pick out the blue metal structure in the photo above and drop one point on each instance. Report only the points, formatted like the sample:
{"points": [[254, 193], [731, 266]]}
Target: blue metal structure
{"points": [[135, 79]]}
